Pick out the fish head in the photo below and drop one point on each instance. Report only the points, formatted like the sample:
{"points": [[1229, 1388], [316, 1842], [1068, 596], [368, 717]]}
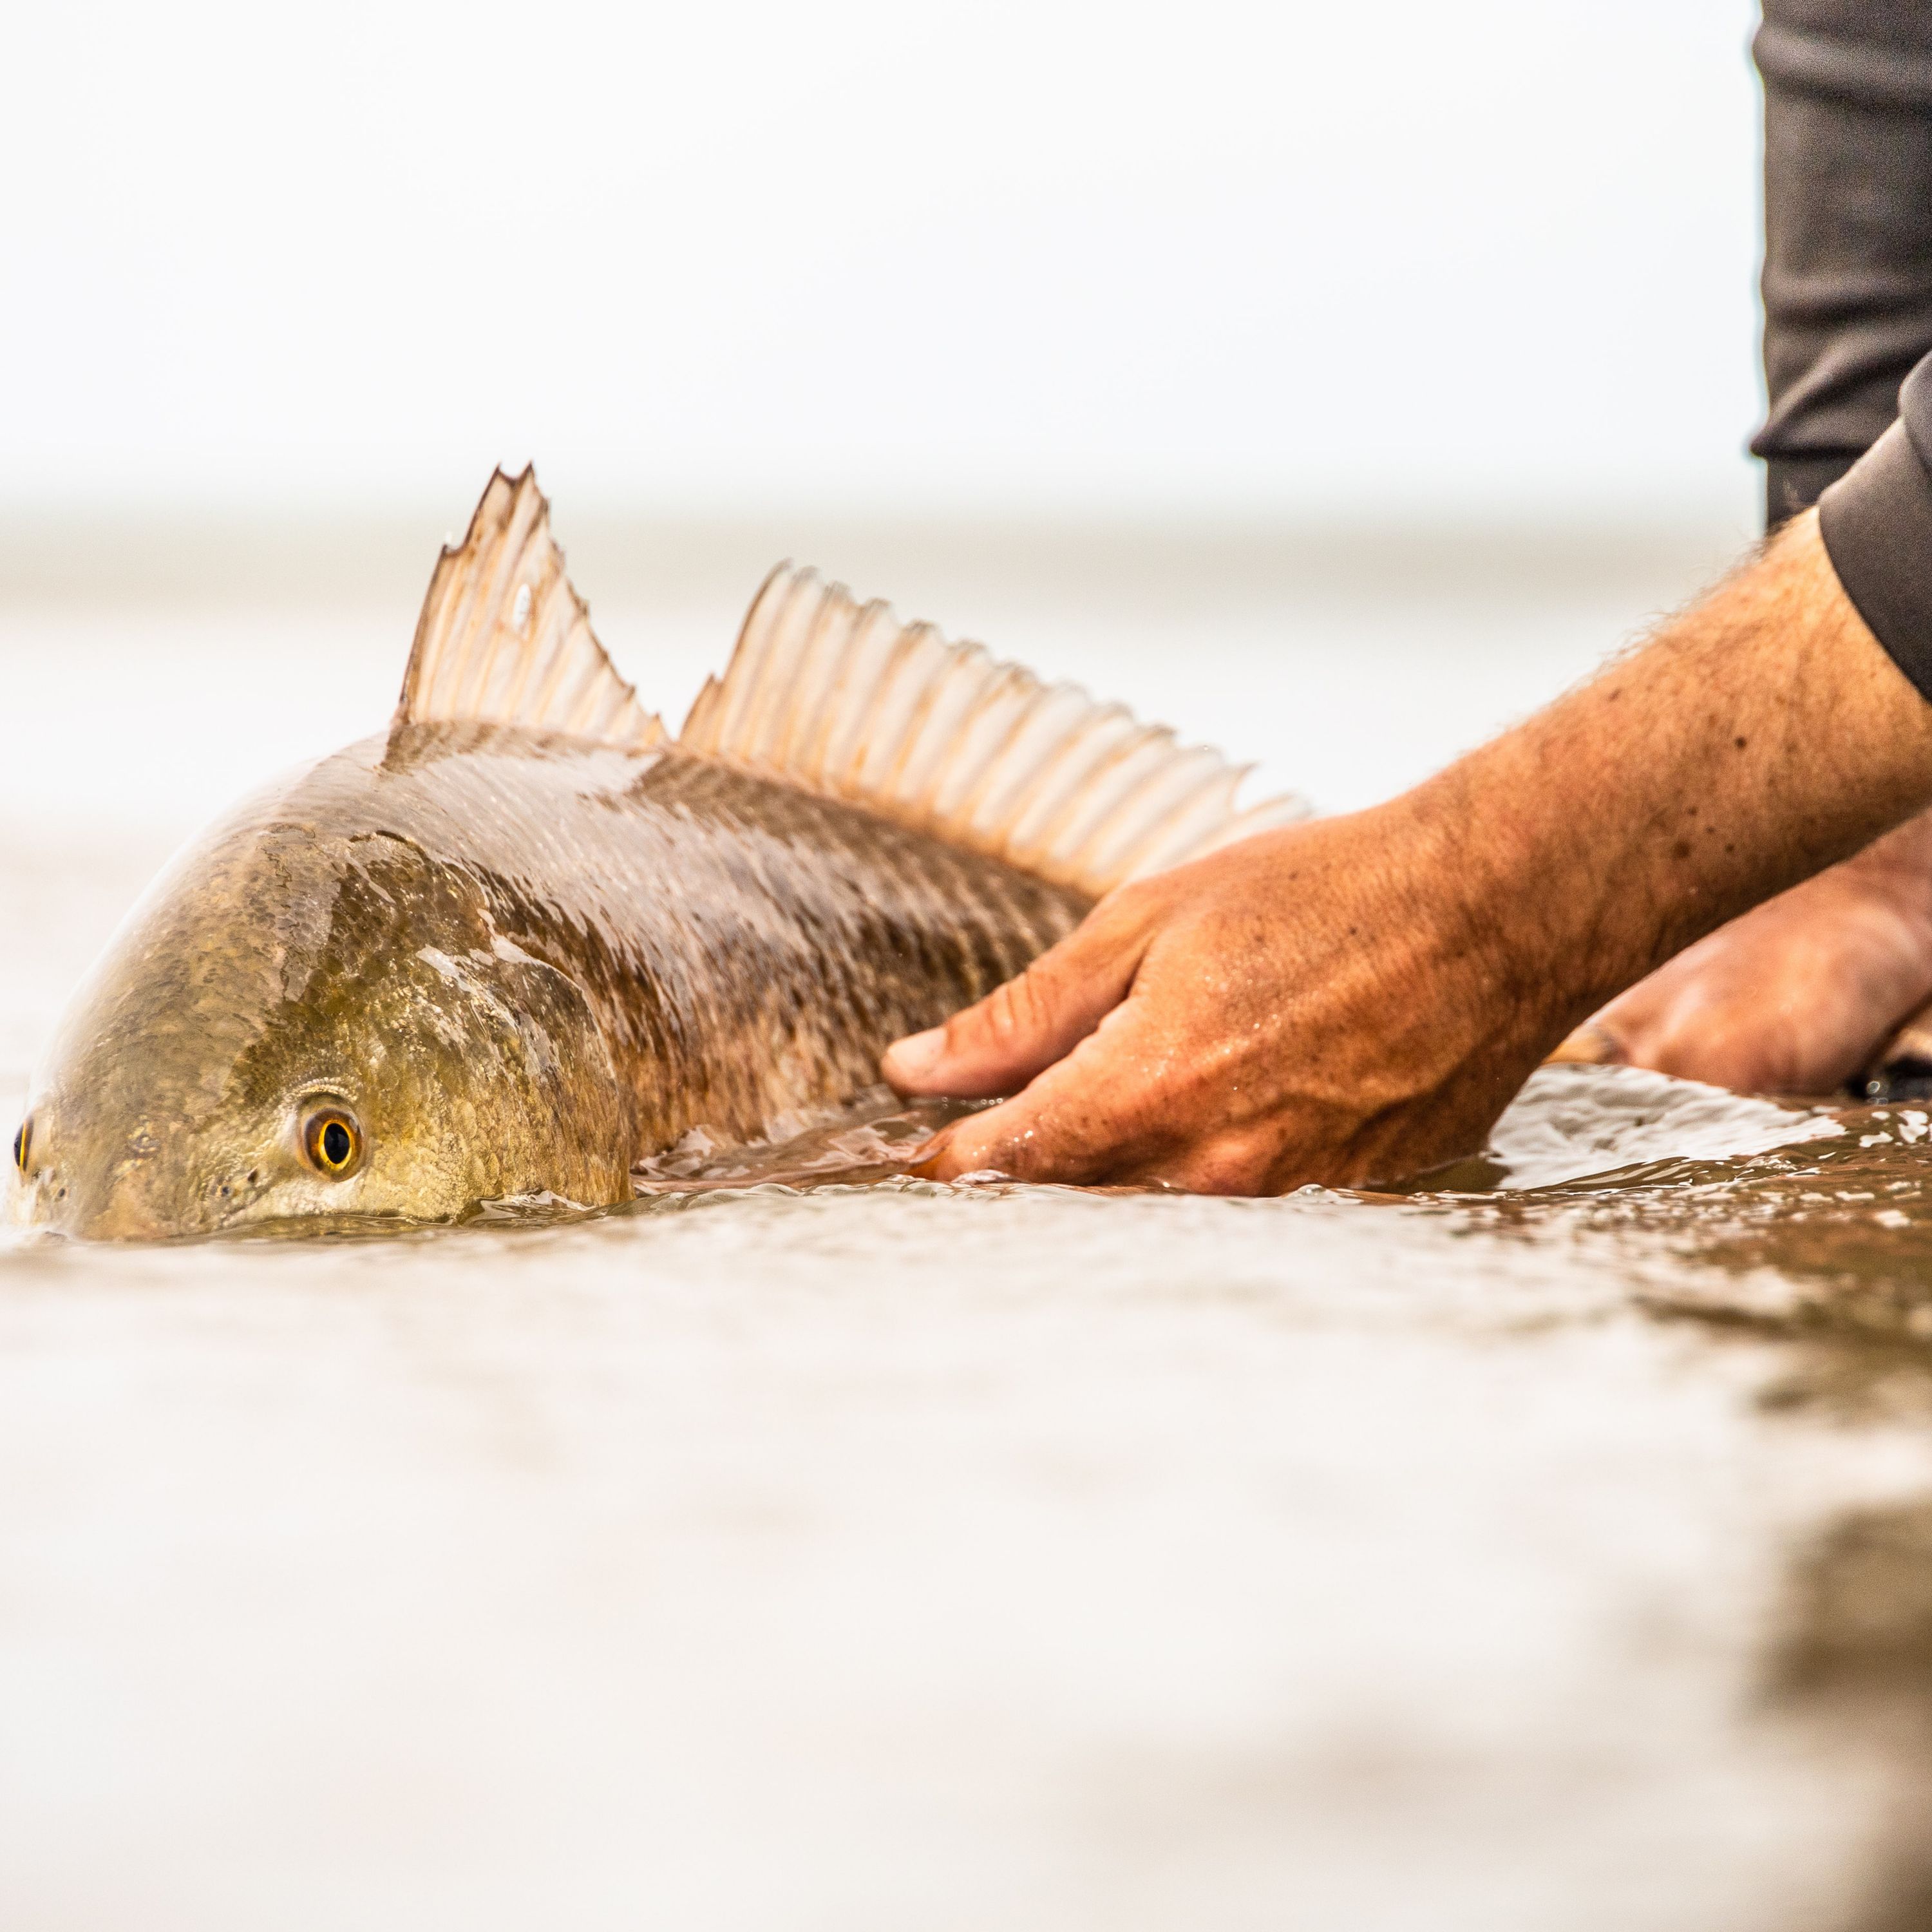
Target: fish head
{"points": [[298, 1025]]}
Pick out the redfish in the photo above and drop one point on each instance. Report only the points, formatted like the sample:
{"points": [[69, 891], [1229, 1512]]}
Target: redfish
{"points": [[524, 941]]}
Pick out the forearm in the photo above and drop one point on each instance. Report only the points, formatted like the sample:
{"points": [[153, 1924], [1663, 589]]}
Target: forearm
{"points": [[1761, 736]]}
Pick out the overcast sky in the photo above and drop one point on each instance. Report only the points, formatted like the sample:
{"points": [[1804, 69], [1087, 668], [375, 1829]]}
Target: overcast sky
{"points": [[1291, 256]]}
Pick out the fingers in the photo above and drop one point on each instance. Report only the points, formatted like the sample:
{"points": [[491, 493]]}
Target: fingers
{"points": [[1023, 1027], [1076, 1122]]}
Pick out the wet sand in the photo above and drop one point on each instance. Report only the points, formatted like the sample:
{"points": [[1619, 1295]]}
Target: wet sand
{"points": [[1547, 1552]]}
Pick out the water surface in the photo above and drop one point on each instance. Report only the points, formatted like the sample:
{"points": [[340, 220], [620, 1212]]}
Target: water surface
{"points": [[1551, 1547]]}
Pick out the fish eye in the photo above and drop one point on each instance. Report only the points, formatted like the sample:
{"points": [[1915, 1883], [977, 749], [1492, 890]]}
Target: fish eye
{"points": [[332, 1141], [23, 1147]]}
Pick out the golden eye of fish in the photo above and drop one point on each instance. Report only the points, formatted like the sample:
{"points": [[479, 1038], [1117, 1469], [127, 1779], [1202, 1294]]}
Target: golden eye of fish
{"points": [[23, 1147], [333, 1142]]}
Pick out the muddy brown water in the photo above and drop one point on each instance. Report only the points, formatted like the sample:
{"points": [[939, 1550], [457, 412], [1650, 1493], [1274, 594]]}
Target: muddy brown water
{"points": [[808, 1546]]}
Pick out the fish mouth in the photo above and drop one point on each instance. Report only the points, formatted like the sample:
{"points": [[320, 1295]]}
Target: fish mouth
{"points": [[121, 1224], [35, 1219], [115, 1179], [125, 1203], [54, 1210]]}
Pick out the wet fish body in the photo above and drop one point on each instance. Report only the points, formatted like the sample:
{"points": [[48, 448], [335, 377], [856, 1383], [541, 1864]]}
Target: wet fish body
{"points": [[634, 944], [523, 941]]}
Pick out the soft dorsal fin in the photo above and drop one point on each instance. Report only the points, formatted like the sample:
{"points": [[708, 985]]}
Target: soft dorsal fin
{"points": [[504, 639], [840, 698]]}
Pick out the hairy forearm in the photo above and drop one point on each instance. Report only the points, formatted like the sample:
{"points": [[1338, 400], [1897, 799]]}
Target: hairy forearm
{"points": [[1758, 738]]}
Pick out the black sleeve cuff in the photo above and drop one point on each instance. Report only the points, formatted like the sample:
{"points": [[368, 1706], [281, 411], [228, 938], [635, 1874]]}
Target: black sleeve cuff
{"points": [[1876, 523]]}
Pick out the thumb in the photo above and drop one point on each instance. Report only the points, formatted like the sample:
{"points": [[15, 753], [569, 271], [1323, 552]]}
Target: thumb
{"points": [[996, 1046]]}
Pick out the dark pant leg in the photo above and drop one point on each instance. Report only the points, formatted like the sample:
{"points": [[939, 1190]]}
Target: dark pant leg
{"points": [[1848, 231]]}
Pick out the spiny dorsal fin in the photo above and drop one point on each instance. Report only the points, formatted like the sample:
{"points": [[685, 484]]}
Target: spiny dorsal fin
{"points": [[840, 698], [504, 639]]}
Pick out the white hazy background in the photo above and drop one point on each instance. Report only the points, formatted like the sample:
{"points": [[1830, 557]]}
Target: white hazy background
{"points": [[1493, 259], [1331, 383]]}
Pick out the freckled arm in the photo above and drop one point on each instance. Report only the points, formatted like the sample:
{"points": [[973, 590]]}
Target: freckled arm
{"points": [[1759, 737]]}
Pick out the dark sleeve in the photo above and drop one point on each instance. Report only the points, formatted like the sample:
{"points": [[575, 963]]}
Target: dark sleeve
{"points": [[1848, 231], [1876, 523]]}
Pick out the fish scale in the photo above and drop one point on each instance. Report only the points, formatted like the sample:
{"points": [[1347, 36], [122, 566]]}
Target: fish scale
{"points": [[779, 940]]}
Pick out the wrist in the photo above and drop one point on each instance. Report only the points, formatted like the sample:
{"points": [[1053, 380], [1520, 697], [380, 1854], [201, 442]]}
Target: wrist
{"points": [[1477, 872], [1896, 868]]}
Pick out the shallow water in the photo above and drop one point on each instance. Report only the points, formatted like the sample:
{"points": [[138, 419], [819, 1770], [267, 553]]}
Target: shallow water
{"points": [[1549, 1547]]}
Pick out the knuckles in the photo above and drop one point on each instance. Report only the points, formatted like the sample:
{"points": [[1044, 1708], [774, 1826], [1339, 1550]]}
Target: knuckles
{"points": [[1022, 1009]]}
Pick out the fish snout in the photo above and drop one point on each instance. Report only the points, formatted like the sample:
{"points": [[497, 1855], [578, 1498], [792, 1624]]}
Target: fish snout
{"points": [[53, 1197], [120, 1192], [119, 1218], [41, 1191]]}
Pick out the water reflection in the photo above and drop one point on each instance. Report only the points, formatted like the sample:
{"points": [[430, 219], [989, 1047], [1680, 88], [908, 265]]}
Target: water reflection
{"points": [[1806, 1227], [1852, 1652]]}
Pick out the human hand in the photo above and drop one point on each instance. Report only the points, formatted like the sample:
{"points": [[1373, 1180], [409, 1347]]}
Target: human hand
{"points": [[1359, 998], [1325, 1003], [1796, 996]]}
